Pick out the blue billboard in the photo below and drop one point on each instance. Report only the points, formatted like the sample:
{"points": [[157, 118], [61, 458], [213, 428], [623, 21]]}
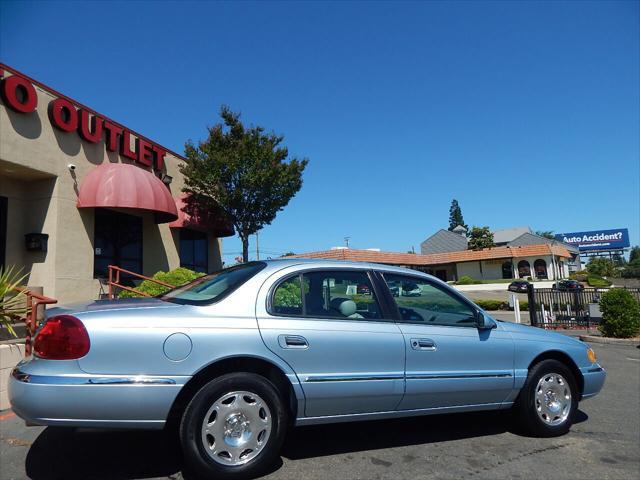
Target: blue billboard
{"points": [[615, 239]]}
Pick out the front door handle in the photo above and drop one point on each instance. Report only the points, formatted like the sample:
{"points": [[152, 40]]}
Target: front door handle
{"points": [[423, 344], [293, 341]]}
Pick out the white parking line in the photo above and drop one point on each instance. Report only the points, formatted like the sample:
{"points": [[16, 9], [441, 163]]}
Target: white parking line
{"points": [[634, 359]]}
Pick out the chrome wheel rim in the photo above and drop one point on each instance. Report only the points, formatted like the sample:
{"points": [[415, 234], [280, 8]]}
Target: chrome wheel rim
{"points": [[236, 428], [552, 399]]}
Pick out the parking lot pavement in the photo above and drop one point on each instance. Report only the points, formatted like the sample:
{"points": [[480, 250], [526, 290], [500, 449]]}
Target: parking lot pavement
{"points": [[603, 444]]}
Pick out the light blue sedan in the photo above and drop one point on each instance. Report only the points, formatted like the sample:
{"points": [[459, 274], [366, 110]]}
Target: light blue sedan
{"points": [[234, 358]]}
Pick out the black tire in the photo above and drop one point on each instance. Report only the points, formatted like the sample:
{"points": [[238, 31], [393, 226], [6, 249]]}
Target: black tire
{"points": [[526, 408], [197, 458]]}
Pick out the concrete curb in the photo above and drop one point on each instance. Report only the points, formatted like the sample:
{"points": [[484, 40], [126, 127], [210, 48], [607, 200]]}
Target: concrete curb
{"points": [[612, 341]]}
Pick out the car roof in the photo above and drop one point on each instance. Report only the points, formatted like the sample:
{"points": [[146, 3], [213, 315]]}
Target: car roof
{"points": [[280, 263]]}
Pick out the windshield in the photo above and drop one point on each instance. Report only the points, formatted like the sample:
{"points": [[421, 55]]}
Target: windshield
{"points": [[213, 287]]}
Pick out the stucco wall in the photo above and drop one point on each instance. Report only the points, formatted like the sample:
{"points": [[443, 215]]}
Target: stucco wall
{"points": [[42, 193]]}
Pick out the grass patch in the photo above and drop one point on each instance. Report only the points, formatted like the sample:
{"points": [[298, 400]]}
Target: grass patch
{"points": [[598, 282]]}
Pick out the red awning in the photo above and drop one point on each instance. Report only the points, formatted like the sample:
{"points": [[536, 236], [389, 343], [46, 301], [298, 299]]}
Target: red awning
{"points": [[120, 185], [202, 221]]}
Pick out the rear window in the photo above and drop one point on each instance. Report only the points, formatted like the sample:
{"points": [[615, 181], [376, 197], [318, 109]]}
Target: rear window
{"points": [[214, 287]]}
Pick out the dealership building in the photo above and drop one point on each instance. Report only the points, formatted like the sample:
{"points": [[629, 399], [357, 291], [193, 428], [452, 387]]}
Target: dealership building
{"points": [[80, 191]]}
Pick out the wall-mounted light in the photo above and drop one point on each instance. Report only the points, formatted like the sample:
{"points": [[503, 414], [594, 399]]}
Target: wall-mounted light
{"points": [[36, 242], [166, 179]]}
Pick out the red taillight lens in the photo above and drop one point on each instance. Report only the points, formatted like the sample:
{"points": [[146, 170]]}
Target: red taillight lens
{"points": [[63, 337]]}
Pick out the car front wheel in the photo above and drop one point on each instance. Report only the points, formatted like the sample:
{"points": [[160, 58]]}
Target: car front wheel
{"points": [[548, 401], [233, 427]]}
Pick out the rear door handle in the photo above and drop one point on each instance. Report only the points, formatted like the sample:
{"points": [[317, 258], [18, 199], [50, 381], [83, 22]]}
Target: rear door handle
{"points": [[423, 344], [292, 341]]}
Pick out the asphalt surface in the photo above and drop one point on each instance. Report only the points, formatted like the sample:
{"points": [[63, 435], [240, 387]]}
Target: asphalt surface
{"points": [[603, 444]]}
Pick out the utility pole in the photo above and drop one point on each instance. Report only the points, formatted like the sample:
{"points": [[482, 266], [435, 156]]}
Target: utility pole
{"points": [[346, 241], [257, 247]]}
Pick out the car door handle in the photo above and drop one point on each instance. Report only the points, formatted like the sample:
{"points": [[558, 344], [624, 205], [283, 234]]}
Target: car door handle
{"points": [[423, 344], [293, 341]]}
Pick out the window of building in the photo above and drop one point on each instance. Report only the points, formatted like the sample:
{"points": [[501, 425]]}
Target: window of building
{"points": [[193, 250], [117, 241], [506, 269], [540, 267], [524, 269], [425, 303], [327, 294]]}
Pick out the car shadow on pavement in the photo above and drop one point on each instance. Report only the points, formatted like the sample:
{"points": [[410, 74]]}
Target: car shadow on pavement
{"points": [[340, 438], [63, 453]]}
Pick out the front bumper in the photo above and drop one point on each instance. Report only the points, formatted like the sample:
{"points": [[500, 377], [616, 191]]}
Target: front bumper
{"points": [[594, 378], [82, 400]]}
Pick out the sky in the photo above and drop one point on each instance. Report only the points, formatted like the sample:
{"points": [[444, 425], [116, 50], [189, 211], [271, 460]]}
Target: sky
{"points": [[528, 113]]}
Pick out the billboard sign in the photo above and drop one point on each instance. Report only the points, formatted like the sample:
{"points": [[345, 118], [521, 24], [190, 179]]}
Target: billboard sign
{"points": [[615, 239]]}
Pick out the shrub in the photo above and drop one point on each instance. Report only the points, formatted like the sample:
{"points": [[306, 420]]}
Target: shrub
{"points": [[466, 280], [492, 304], [602, 267], [620, 314], [632, 269], [176, 277], [580, 276], [597, 281]]}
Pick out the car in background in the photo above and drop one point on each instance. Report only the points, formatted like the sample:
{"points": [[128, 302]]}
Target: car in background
{"points": [[567, 285], [518, 286], [363, 289], [229, 362]]}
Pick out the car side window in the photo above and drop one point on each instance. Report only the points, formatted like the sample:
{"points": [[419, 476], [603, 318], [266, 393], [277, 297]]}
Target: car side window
{"points": [[327, 294], [287, 297], [422, 302]]}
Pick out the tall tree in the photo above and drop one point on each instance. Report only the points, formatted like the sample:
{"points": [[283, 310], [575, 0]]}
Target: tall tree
{"points": [[546, 234], [242, 172], [455, 215], [635, 254], [480, 237]]}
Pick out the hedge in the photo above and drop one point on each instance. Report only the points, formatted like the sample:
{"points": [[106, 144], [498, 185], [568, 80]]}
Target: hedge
{"points": [[620, 314], [176, 277]]}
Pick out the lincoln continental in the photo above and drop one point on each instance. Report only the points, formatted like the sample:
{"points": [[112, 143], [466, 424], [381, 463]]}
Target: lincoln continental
{"points": [[236, 358]]}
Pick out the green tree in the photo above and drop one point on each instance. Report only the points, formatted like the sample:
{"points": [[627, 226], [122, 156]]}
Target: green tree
{"points": [[634, 254], [620, 314], [546, 234], [632, 269], [241, 172], [602, 266], [455, 215], [480, 237]]}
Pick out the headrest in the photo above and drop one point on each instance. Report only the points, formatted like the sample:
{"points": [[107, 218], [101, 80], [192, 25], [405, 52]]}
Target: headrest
{"points": [[345, 306]]}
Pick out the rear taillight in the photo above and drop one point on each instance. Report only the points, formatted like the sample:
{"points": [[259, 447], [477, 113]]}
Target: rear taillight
{"points": [[63, 337]]}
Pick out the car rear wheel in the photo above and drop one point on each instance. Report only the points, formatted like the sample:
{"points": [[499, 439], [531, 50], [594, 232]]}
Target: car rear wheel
{"points": [[548, 401], [233, 427]]}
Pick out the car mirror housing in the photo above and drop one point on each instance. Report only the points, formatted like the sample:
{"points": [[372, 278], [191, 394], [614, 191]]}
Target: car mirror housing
{"points": [[484, 322]]}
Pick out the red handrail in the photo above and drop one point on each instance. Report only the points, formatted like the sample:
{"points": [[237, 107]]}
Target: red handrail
{"points": [[114, 281], [34, 300]]}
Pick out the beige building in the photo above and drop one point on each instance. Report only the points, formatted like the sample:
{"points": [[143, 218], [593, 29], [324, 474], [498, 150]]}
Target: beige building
{"points": [[79, 192]]}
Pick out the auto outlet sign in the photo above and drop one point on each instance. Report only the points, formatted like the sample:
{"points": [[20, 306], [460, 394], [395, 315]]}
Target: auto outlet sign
{"points": [[19, 94], [614, 239]]}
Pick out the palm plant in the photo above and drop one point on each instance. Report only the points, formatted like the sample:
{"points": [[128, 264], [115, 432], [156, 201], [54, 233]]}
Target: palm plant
{"points": [[13, 305]]}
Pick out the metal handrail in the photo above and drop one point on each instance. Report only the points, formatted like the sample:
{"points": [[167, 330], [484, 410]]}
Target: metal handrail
{"points": [[114, 281], [34, 300]]}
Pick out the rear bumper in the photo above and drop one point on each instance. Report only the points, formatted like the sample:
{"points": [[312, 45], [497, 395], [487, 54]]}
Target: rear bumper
{"points": [[82, 400], [594, 378]]}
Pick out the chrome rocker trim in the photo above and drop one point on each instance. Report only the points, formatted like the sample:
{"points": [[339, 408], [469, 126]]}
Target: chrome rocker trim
{"points": [[92, 379]]}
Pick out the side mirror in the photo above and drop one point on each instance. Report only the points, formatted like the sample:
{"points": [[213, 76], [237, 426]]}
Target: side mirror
{"points": [[484, 322]]}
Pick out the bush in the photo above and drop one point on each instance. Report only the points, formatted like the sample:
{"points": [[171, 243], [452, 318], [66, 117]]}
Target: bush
{"points": [[176, 277], [620, 314], [632, 269], [580, 276], [597, 281], [467, 280], [492, 304], [602, 267]]}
